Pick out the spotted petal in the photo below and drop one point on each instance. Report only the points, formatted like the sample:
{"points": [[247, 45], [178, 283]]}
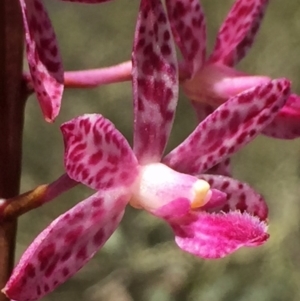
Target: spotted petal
{"points": [[189, 29], [155, 82], [240, 196], [43, 57], [229, 127], [66, 245], [202, 111], [286, 124], [238, 31], [97, 154]]}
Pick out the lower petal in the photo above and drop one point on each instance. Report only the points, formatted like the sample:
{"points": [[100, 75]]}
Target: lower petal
{"points": [[240, 196], [217, 235], [173, 211], [66, 245]]}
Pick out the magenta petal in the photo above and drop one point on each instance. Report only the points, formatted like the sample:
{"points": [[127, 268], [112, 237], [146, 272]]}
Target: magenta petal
{"points": [[175, 210], [202, 111], [189, 29], [43, 57], [66, 245], [218, 198], [178, 210], [96, 153], [229, 127], [238, 31], [155, 82], [240, 196], [217, 235], [286, 124]]}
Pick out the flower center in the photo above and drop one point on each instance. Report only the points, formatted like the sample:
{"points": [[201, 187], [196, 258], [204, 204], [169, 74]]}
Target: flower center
{"points": [[157, 185], [202, 194], [215, 83]]}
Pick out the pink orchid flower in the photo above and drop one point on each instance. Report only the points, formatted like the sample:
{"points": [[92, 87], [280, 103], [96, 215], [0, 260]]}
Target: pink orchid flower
{"points": [[210, 82], [211, 216], [43, 56]]}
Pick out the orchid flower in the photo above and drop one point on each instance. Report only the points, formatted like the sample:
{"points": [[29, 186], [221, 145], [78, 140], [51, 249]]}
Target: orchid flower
{"points": [[43, 56], [210, 82], [211, 216]]}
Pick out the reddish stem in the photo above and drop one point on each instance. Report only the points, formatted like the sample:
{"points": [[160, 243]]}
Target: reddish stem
{"points": [[12, 102], [14, 207]]}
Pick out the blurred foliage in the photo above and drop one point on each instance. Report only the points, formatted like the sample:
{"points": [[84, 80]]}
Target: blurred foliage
{"points": [[141, 262]]}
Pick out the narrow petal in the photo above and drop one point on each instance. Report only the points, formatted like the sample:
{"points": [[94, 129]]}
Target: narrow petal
{"points": [[155, 82], [189, 29], [96, 153], [202, 111], [229, 127], [240, 196], [43, 57], [238, 31], [66, 245], [217, 235], [286, 124]]}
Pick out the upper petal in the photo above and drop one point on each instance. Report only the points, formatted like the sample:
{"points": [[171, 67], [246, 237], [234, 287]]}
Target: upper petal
{"points": [[43, 57], [239, 196], [286, 124], [238, 31], [96, 153], [189, 29], [155, 82], [229, 127], [66, 245]]}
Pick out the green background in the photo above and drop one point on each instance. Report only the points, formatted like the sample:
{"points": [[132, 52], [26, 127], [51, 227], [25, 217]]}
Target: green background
{"points": [[141, 262]]}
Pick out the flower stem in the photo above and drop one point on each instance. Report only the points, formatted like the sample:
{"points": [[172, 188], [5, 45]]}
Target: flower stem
{"points": [[92, 78], [14, 207], [12, 103], [96, 77]]}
